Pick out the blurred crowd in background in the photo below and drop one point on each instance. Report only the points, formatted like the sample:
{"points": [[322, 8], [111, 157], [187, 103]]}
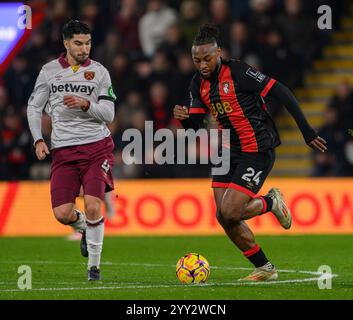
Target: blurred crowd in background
{"points": [[146, 47], [337, 130]]}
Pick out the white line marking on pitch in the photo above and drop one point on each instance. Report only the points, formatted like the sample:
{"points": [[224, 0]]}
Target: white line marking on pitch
{"points": [[152, 265], [137, 286], [168, 286]]}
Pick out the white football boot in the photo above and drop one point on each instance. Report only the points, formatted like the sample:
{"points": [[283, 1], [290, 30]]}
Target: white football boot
{"points": [[280, 209], [267, 272]]}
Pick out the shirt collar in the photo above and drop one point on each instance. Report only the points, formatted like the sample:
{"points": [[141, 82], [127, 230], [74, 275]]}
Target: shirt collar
{"points": [[65, 64]]}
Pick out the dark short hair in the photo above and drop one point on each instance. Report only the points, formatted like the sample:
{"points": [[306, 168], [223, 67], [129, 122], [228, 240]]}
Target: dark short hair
{"points": [[74, 27], [208, 33]]}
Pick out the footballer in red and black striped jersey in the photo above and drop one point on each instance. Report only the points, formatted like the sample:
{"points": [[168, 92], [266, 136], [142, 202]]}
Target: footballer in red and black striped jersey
{"points": [[234, 93]]}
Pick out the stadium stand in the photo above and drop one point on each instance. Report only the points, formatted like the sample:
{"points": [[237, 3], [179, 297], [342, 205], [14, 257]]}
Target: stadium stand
{"points": [[149, 80]]}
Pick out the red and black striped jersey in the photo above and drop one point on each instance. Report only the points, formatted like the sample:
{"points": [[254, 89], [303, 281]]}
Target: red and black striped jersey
{"points": [[234, 95]]}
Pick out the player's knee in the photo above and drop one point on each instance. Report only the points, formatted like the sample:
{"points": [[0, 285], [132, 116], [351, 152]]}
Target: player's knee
{"points": [[230, 214], [92, 210], [63, 215]]}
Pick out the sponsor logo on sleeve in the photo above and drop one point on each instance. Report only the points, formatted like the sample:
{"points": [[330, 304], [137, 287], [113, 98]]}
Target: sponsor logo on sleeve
{"points": [[191, 99], [256, 74]]}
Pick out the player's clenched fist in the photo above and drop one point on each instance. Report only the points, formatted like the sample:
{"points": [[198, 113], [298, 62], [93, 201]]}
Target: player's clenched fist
{"points": [[180, 112], [41, 150]]}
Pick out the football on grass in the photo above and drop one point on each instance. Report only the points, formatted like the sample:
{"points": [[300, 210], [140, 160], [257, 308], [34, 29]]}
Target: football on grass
{"points": [[192, 268]]}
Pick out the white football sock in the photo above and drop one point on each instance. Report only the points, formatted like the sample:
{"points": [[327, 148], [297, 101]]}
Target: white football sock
{"points": [[94, 238], [80, 224]]}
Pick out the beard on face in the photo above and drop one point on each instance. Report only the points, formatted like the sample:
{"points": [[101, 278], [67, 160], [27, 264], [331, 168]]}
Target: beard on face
{"points": [[79, 58]]}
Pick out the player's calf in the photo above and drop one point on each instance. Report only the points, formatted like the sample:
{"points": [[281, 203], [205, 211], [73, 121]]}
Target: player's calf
{"points": [[66, 215], [230, 213]]}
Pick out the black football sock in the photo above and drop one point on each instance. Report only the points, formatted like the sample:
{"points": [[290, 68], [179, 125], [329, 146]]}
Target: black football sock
{"points": [[256, 256], [267, 204]]}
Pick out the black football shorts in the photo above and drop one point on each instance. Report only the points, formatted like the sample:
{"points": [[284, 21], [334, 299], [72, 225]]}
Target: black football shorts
{"points": [[248, 172]]}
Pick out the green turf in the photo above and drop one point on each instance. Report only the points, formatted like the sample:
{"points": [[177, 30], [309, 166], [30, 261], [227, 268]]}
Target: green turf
{"points": [[143, 268]]}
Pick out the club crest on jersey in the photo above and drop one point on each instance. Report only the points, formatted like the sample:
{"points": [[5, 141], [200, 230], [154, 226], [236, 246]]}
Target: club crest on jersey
{"points": [[225, 86], [89, 75]]}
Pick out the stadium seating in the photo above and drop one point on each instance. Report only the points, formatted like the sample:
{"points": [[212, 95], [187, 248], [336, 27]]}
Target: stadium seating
{"points": [[335, 65]]}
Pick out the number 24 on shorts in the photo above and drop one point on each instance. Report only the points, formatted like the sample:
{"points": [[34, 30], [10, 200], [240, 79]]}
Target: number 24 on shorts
{"points": [[252, 175]]}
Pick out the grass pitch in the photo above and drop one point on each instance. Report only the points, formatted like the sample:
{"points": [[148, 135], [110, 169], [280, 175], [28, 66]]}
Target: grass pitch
{"points": [[144, 268]]}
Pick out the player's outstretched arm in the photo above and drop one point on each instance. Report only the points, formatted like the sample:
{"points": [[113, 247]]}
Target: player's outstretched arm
{"points": [[35, 107], [287, 98]]}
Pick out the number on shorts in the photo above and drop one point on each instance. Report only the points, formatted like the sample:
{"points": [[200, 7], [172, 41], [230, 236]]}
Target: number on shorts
{"points": [[105, 166], [252, 175]]}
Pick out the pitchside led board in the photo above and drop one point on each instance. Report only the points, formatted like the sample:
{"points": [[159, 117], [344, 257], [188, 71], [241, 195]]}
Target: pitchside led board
{"points": [[181, 207], [10, 33]]}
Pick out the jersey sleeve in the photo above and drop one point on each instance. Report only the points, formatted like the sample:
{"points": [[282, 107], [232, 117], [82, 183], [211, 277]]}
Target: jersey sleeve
{"points": [[40, 94], [105, 91], [197, 109], [251, 79], [104, 110], [196, 106], [36, 105]]}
